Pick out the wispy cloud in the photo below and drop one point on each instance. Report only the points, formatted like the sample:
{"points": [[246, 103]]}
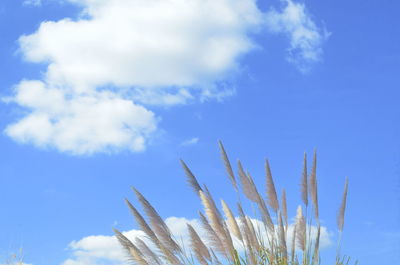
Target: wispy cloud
{"points": [[306, 38], [191, 141], [32, 2]]}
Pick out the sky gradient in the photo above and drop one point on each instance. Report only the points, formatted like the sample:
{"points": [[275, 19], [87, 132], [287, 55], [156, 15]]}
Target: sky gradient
{"points": [[98, 96]]}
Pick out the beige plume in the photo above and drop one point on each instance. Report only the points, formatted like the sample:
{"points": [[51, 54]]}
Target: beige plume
{"points": [[198, 247], [228, 166], [314, 186], [304, 184], [191, 179], [301, 229], [340, 218], [271, 191], [232, 224]]}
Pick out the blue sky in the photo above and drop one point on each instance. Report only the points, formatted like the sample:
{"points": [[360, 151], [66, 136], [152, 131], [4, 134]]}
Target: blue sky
{"points": [[99, 96]]}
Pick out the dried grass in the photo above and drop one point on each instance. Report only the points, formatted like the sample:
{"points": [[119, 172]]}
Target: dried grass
{"points": [[261, 245]]}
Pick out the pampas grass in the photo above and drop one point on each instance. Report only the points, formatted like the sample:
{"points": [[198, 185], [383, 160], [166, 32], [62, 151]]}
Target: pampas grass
{"points": [[262, 242]]}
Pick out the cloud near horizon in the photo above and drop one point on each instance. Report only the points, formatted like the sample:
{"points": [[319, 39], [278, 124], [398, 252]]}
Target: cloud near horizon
{"points": [[100, 249], [106, 69]]}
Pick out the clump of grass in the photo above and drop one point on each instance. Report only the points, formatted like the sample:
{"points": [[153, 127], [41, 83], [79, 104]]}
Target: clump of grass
{"points": [[259, 240]]}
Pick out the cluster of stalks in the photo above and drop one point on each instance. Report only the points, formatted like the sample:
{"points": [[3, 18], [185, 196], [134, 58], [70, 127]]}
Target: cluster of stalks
{"points": [[257, 242]]}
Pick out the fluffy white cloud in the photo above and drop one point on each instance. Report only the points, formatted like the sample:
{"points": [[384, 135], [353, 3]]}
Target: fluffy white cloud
{"points": [[306, 38], [120, 57], [96, 250], [79, 123], [99, 250], [145, 43]]}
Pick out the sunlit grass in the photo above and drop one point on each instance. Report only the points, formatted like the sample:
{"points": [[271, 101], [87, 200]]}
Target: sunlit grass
{"points": [[264, 239]]}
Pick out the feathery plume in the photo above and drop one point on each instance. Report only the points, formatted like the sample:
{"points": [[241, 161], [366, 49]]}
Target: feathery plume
{"points": [[244, 225], [154, 217], [304, 185], [232, 224], [137, 256], [241, 212], [271, 192], [213, 237], [250, 190], [228, 166], [313, 186], [252, 234], [248, 187], [284, 208], [340, 218], [160, 228], [248, 231], [248, 239], [147, 252], [301, 229], [316, 246], [142, 223], [293, 254], [191, 179], [216, 221], [211, 212], [213, 204], [134, 252], [260, 203], [282, 237], [123, 240], [198, 247], [266, 217], [150, 233]]}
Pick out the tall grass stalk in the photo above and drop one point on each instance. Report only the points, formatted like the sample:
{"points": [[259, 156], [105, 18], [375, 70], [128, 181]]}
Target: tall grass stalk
{"points": [[259, 241]]}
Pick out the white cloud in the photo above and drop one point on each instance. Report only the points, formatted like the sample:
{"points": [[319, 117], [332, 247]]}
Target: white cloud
{"points": [[32, 2], [107, 68], [191, 141], [306, 38], [145, 43], [79, 123], [325, 235], [120, 56], [96, 250]]}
